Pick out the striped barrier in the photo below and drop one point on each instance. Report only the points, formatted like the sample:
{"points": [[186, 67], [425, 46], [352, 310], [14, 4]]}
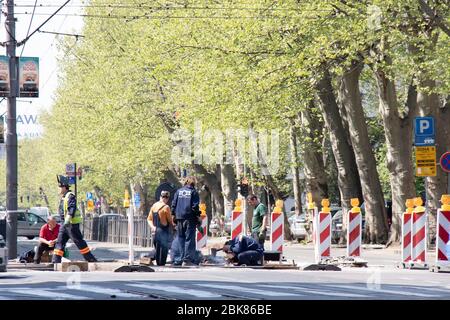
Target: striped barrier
{"points": [[323, 236], [443, 238], [419, 239], [406, 236], [354, 230], [237, 219], [277, 231], [202, 238]]}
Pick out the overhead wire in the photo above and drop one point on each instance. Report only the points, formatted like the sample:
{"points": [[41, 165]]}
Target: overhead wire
{"points": [[29, 26]]}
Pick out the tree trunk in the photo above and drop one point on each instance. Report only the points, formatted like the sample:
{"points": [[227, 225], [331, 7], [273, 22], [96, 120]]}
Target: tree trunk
{"points": [[348, 177], [316, 177], [44, 196], [398, 132], [229, 187], [172, 178], [429, 105], [295, 168], [213, 185], [205, 197], [105, 208], [375, 211]]}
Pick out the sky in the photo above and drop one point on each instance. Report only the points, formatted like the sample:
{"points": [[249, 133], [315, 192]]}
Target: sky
{"points": [[44, 46]]}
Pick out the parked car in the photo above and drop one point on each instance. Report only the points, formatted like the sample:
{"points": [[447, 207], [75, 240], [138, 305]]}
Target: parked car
{"points": [[29, 224], [337, 225], [42, 212], [298, 226]]}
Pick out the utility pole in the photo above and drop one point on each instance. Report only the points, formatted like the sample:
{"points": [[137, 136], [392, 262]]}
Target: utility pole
{"points": [[11, 134]]}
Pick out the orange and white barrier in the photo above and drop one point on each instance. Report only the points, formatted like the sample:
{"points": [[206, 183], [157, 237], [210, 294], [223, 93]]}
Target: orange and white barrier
{"points": [[202, 238], [406, 236], [354, 230], [277, 230], [237, 220], [443, 237]]}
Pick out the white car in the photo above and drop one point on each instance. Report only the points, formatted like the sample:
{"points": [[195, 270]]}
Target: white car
{"points": [[29, 224], [299, 226], [42, 212]]}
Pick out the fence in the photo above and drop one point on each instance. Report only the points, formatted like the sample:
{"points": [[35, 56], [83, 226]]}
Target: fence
{"points": [[115, 230]]}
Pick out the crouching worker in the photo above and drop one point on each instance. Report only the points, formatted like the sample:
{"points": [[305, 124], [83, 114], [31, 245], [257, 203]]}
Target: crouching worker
{"points": [[160, 222], [47, 239], [244, 250]]}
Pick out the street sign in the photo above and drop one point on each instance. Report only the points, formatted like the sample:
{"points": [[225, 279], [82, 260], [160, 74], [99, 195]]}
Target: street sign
{"points": [[89, 196], [70, 169], [137, 200], [445, 162], [424, 134], [72, 180], [426, 161]]}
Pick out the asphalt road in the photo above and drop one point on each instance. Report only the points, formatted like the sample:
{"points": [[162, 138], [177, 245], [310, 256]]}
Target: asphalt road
{"points": [[218, 283]]}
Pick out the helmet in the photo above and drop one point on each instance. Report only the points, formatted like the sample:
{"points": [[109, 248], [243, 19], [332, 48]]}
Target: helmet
{"points": [[62, 181]]}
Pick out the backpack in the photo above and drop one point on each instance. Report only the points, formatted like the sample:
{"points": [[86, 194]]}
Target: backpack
{"points": [[27, 257]]}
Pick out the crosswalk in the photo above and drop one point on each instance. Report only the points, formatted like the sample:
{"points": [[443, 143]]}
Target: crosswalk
{"points": [[170, 290]]}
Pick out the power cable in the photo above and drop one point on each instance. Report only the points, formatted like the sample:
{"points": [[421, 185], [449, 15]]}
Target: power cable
{"points": [[29, 26], [147, 16], [51, 16], [63, 34]]}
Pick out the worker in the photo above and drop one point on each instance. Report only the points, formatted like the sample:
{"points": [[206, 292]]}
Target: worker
{"points": [[70, 229], [47, 238], [259, 220], [244, 250], [186, 214], [160, 222]]}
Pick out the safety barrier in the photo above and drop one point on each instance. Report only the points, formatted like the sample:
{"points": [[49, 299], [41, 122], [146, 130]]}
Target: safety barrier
{"points": [[419, 235], [354, 230], [442, 262], [406, 232], [202, 238], [277, 228], [323, 234], [237, 220]]}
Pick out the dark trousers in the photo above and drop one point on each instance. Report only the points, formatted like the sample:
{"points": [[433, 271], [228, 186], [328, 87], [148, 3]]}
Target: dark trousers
{"points": [[161, 245], [186, 239], [40, 251], [72, 231], [260, 240], [250, 258]]}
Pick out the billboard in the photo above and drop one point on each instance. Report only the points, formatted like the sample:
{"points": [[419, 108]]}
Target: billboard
{"points": [[29, 77], [4, 76]]}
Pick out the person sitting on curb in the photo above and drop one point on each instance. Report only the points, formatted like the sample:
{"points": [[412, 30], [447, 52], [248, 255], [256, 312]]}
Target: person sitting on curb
{"points": [[47, 238], [243, 250]]}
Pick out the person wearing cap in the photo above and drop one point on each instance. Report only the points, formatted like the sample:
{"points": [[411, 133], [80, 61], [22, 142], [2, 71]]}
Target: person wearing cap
{"points": [[47, 238], [71, 228], [244, 250], [160, 221]]}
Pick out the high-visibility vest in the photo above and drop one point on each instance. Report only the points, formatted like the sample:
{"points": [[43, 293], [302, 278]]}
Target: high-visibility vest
{"points": [[77, 216]]}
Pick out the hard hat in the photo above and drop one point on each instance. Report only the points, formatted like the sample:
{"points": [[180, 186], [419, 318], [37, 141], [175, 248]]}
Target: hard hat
{"points": [[62, 181]]}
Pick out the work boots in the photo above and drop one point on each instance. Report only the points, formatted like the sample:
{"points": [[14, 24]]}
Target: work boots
{"points": [[89, 257]]}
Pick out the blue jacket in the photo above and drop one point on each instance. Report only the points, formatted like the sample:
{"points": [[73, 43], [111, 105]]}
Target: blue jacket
{"points": [[245, 244], [185, 204]]}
